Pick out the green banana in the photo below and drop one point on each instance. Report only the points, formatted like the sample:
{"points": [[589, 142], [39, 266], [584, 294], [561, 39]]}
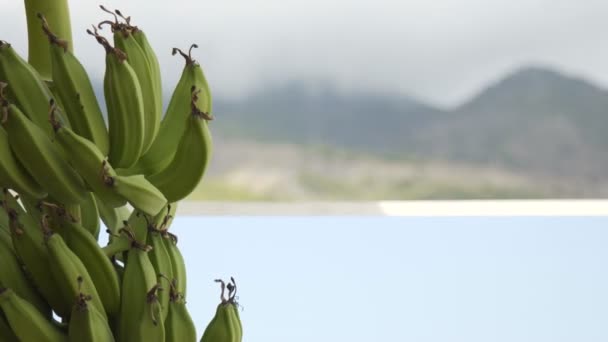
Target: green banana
{"points": [[26, 89], [178, 266], [140, 313], [138, 60], [174, 122], [235, 309], [58, 14], [66, 268], [179, 325], [41, 157], [89, 213], [190, 160], [99, 267], [112, 217], [28, 242], [6, 333], [13, 174], [135, 229], [224, 326], [87, 323], [125, 105], [140, 193], [75, 91], [26, 321], [13, 276], [159, 256], [155, 74], [89, 162]]}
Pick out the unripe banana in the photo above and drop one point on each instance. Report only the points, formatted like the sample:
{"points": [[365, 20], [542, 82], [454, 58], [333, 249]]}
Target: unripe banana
{"points": [[58, 14], [235, 309], [134, 229], [140, 193], [112, 218], [125, 106], [87, 323], [141, 38], [150, 55], [190, 160], [13, 174], [26, 89], [75, 91], [125, 41], [174, 122], [66, 269], [99, 267], [89, 162], [89, 213], [28, 242], [178, 266], [12, 275], [159, 256], [41, 157], [179, 325], [26, 321], [140, 314]]}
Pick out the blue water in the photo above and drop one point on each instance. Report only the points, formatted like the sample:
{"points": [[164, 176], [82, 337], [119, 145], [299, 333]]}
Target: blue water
{"points": [[403, 279]]}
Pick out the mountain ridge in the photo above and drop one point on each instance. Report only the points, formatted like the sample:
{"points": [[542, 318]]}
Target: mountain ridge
{"points": [[535, 119]]}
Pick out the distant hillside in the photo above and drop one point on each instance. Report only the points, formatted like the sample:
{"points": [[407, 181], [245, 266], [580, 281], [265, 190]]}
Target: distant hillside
{"points": [[323, 116], [534, 121]]}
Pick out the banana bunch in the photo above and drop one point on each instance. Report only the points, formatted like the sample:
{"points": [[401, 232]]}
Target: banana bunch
{"points": [[63, 170]]}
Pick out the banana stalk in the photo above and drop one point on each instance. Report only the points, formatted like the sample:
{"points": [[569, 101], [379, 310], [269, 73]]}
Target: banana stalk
{"points": [[57, 13]]}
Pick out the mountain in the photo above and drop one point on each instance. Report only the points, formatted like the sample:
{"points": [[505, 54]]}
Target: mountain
{"points": [[323, 116], [535, 120]]}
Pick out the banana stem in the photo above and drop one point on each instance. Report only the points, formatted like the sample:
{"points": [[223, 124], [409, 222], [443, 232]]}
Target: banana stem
{"points": [[57, 14], [119, 245]]}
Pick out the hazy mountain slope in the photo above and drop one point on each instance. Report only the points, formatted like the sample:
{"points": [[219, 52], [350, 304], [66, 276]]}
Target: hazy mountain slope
{"points": [[295, 113], [535, 120]]}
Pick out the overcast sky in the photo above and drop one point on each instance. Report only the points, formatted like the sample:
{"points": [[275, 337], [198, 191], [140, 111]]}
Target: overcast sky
{"points": [[439, 51]]}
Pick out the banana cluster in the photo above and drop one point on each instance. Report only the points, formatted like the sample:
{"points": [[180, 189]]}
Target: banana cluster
{"points": [[63, 170]]}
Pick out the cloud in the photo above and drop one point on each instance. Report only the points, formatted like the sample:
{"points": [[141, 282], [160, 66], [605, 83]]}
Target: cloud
{"points": [[442, 51]]}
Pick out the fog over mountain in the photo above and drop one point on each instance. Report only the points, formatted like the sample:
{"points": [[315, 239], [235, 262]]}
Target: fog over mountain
{"points": [[436, 50], [536, 120]]}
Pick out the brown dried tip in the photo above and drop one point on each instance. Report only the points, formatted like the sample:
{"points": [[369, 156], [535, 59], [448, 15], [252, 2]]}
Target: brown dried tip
{"points": [[126, 19], [232, 290], [113, 24], [52, 37], [187, 57], [107, 46], [172, 237], [223, 286]]}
